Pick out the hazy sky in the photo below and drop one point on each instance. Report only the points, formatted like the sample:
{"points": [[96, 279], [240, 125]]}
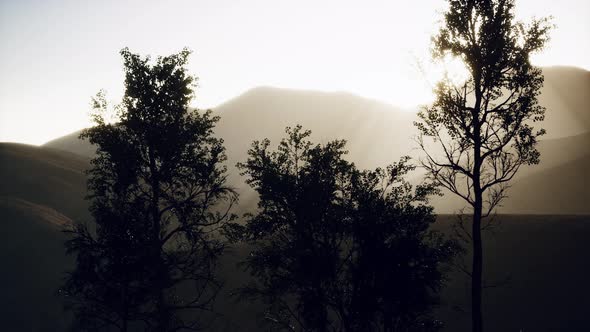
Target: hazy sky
{"points": [[56, 54]]}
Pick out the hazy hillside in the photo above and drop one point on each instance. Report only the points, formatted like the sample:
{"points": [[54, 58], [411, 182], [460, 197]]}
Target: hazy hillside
{"points": [[555, 152], [42, 190], [564, 189], [559, 184], [44, 177], [264, 111], [565, 94], [72, 143], [378, 133], [34, 263]]}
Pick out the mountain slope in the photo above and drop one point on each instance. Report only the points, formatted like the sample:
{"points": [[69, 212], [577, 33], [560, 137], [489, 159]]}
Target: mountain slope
{"points": [[565, 95], [42, 191], [264, 112], [378, 133], [45, 177], [73, 144], [555, 152], [559, 184], [564, 189], [34, 264]]}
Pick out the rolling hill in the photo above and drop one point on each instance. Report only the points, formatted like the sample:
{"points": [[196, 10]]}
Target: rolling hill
{"points": [[44, 177], [565, 190], [34, 261], [42, 191]]}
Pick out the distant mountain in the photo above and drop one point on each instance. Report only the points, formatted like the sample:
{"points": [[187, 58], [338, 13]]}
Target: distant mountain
{"points": [[265, 111], [560, 151], [559, 184], [378, 133], [72, 143], [374, 131], [563, 189], [565, 95]]}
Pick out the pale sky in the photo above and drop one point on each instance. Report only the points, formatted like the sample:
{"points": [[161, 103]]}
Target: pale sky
{"points": [[55, 55]]}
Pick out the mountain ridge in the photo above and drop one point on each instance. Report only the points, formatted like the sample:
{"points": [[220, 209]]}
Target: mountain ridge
{"points": [[378, 133]]}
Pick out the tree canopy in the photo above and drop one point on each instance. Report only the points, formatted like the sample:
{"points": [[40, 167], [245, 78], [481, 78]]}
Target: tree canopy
{"points": [[336, 248], [159, 201]]}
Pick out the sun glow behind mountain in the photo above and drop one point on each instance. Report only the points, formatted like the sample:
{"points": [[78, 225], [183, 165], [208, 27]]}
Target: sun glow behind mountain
{"points": [[57, 54]]}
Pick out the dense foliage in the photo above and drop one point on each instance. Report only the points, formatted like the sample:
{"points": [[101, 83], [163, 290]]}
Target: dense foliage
{"points": [[159, 201], [336, 248]]}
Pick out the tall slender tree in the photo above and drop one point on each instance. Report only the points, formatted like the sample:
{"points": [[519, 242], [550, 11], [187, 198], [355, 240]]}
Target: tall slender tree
{"points": [[483, 126], [159, 201]]}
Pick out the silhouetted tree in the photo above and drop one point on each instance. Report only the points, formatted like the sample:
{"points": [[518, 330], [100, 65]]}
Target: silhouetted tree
{"points": [[159, 200], [393, 268], [336, 249], [297, 231], [483, 125]]}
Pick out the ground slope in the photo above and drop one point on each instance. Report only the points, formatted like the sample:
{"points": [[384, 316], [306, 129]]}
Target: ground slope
{"points": [[42, 190]]}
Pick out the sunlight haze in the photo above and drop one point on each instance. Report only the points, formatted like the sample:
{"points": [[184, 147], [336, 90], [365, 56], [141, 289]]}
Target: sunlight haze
{"points": [[55, 55]]}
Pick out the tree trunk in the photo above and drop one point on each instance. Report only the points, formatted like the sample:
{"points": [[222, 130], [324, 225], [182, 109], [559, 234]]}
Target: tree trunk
{"points": [[477, 266], [476, 273], [161, 310], [125, 309], [476, 276]]}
